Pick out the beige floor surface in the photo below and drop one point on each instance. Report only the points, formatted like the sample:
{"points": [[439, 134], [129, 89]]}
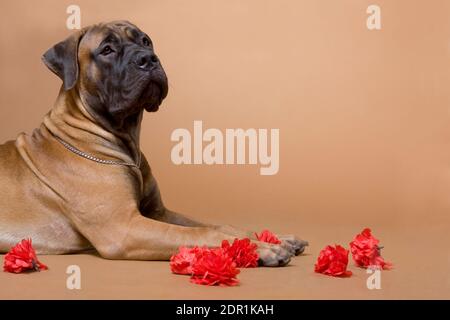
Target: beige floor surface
{"points": [[421, 270]]}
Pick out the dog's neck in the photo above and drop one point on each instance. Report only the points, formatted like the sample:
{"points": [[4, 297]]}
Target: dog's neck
{"points": [[71, 121]]}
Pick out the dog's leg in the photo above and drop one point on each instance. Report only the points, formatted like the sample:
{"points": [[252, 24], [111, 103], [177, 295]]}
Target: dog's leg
{"points": [[141, 238], [291, 243]]}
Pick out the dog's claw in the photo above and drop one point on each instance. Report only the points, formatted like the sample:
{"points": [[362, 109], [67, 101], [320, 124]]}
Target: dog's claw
{"points": [[300, 248], [296, 246]]}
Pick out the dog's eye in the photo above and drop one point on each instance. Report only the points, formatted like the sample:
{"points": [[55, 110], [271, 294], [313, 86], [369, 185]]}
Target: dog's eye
{"points": [[106, 50], [146, 42]]}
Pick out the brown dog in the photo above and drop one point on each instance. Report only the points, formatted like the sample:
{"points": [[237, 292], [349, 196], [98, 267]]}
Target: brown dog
{"points": [[80, 181]]}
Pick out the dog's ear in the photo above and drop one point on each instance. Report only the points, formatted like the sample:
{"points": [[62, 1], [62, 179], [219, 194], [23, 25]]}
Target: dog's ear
{"points": [[62, 59]]}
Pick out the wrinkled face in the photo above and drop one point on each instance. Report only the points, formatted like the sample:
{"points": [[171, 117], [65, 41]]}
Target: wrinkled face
{"points": [[120, 71], [116, 70]]}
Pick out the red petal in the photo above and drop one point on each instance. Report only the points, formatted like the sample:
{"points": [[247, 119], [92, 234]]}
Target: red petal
{"points": [[267, 236], [365, 250], [333, 261], [242, 252], [22, 257]]}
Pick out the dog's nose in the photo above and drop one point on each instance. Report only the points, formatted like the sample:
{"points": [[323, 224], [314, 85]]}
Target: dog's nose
{"points": [[146, 60]]}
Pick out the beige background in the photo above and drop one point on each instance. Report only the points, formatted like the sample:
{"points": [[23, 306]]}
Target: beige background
{"points": [[363, 118]]}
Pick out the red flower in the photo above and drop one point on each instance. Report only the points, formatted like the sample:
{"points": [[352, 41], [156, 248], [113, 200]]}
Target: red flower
{"points": [[183, 261], [243, 252], [215, 267], [333, 261], [22, 257], [366, 252], [267, 236]]}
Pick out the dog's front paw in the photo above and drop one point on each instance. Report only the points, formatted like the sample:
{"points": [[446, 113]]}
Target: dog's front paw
{"points": [[293, 244], [272, 255]]}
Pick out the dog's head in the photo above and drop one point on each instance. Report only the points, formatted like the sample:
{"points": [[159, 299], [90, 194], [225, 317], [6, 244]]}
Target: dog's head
{"points": [[114, 68]]}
